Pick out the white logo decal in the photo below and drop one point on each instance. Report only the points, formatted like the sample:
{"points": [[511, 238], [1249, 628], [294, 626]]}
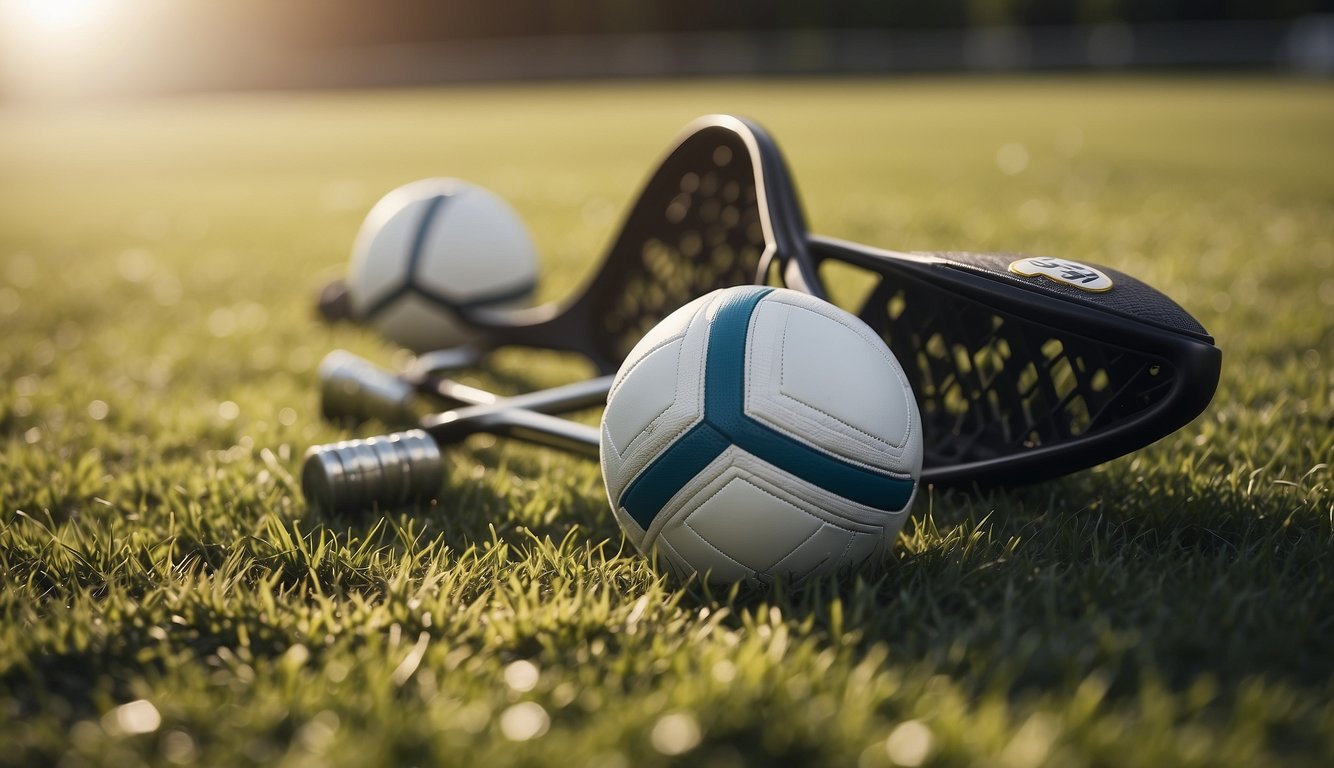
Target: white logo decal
{"points": [[1072, 273]]}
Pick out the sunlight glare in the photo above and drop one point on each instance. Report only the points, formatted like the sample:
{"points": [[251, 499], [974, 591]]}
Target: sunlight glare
{"points": [[58, 46], [52, 18]]}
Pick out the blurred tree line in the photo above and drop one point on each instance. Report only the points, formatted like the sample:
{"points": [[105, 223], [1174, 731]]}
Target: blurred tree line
{"points": [[322, 23]]}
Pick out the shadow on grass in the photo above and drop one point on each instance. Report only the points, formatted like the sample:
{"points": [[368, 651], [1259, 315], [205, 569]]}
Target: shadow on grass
{"points": [[1033, 590], [1019, 591]]}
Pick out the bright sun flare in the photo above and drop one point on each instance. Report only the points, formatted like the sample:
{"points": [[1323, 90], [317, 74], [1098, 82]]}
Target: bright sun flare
{"points": [[51, 18], [59, 46]]}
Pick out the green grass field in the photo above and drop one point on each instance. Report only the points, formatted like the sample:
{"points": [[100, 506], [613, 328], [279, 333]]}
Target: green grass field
{"points": [[158, 263]]}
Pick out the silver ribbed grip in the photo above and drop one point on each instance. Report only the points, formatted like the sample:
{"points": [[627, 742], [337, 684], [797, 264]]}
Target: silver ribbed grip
{"points": [[353, 389], [388, 471]]}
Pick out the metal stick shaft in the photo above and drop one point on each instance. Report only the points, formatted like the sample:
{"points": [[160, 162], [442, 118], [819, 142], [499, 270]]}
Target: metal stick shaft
{"points": [[395, 469], [562, 399], [530, 426], [354, 389]]}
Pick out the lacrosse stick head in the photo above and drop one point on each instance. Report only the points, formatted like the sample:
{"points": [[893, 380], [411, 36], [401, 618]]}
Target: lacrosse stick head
{"points": [[1027, 368], [717, 210]]}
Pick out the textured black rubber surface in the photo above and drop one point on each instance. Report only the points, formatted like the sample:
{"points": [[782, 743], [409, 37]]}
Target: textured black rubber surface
{"points": [[1128, 296]]}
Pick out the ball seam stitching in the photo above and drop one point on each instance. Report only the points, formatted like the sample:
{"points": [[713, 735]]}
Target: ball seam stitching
{"points": [[782, 374], [766, 492], [886, 354]]}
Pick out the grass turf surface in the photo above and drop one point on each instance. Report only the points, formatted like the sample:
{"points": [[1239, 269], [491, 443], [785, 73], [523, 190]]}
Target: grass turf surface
{"points": [[157, 267]]}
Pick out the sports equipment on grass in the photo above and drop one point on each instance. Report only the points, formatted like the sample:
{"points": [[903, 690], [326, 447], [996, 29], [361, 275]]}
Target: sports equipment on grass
{"points": [[791, 427], [1024, 368], [759, 432], [431, 249]]}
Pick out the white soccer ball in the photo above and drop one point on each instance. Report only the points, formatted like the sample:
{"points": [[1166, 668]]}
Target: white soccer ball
{"points": [[430, 248], [758, 432]]}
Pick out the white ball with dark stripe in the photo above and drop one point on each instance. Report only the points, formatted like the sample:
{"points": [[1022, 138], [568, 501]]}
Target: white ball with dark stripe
{"points": [[431, 248], [758, 432]]}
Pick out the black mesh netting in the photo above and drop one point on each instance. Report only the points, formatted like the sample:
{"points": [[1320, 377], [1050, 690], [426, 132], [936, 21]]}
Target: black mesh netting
{"points": [[696, 227], [991, 384]]}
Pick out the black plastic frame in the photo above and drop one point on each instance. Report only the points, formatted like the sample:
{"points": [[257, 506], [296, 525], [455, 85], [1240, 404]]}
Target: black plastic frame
{"points": [[1195, 361]]}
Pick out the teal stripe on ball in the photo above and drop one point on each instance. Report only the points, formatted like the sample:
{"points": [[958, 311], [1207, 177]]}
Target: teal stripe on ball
{"points": [[671, 470], [725, 423]]}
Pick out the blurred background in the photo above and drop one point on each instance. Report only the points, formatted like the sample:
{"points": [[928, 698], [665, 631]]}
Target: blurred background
{"points": [[59, 49]]}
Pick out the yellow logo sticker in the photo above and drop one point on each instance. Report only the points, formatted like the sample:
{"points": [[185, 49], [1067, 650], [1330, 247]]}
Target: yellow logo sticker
{"points": [[1063, 271]]}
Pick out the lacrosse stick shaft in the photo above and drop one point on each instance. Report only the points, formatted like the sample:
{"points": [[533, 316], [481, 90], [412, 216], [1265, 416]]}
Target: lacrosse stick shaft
{"points": [[354, 389], [562, 399], [396, 469], [507, 421]]}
